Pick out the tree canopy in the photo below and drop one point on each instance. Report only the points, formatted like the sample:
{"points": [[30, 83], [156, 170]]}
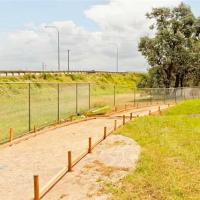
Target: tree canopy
{"points": [[173, 53]]}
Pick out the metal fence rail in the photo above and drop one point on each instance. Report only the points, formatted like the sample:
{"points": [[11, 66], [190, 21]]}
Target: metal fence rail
{"points": [[26, 106]]}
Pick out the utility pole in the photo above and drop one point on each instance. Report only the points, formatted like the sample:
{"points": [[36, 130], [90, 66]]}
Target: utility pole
{"points": [[43, 66]]}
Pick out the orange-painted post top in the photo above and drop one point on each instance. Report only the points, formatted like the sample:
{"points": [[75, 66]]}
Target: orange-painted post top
{"points": [[90, 145], [36, 187], [115, 125], [69, 161], [105, 133], [34, 129], [131, 116], [10, 134], [124, 120]]}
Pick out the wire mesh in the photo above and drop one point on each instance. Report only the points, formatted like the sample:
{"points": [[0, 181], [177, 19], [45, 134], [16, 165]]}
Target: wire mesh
{"points": [[124, 96], [67, 100], [82, 97], [102, 95], [13, 110], [24, 106], [44, 104]]}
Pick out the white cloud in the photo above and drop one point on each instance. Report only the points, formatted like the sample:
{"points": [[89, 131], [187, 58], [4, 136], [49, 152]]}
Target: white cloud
{"points": [[120, 21]]}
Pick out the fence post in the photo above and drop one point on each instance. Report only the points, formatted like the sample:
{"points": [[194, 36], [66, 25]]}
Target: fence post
{"points": [[131, 116], [175, 96], [76, 98], [134, 96], [10, 134], [58, 103], [115, 125], [90, 145], [114, 88], [164, 95], [29, 107], [105, 131], [89, 88], [69, 161], [124, 119], [150, 97], [36, 188]]}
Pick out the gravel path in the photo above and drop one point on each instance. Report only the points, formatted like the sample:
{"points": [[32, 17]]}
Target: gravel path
{"points": [[46, 154]]}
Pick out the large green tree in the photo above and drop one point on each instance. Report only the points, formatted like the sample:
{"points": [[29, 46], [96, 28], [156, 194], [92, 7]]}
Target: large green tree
{"points": [[173, 52]]}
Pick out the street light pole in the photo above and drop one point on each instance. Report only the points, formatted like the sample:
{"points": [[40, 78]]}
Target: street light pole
{"points": [[117, 58], [68, 58], [58, 43], [117, 55]]}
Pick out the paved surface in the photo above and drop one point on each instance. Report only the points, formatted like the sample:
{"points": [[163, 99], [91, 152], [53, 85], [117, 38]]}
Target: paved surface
{"points": [[46, 154]]}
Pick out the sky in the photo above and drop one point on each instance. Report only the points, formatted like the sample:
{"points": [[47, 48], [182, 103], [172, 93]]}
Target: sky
{"points": [[93, 30]]}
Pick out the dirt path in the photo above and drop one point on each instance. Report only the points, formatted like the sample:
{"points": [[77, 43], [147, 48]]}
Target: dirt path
{"points": [[46, 154], [108, 163]]}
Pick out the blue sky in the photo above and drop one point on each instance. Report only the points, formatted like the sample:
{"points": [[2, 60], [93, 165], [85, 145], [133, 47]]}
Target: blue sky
{"points": [[91, 29], [16, 13]]}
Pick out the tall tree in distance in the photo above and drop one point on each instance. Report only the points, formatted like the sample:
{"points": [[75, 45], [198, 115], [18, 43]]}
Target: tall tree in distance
{"points": [[172, 52]]}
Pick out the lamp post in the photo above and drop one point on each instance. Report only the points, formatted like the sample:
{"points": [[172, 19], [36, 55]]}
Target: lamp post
{"points": [[68, 51], [117, 55], [54, 27]]}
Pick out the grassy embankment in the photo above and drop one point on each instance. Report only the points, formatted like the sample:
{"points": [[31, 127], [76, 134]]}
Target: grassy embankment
{"points": [[14, 98], [169, 166]]}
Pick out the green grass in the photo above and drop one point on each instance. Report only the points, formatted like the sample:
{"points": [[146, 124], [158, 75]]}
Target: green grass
{"points": [[129, 79], [169, 166]]}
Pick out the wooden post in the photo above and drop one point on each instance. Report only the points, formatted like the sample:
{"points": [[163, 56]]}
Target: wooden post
{"points": [[131, 116], [138, 115], [159, 110], [115, 125], [168, 105], [125, 106], [36, 188], [90, 145], [71, 118], [10, 134], [69, 161], [105, 130], [34, 128], [124, 120], [115, 108], [137, 105], [149, 112], [114, 95]]}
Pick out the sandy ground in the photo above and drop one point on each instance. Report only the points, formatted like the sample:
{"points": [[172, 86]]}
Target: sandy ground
{"points": [[46, 154], [108, 163]]}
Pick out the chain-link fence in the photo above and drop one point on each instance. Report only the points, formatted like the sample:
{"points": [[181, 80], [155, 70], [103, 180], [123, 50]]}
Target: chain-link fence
{"points": [[24, 106]]}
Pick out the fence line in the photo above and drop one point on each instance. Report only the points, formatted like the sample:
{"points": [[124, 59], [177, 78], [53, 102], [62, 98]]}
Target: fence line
{"points": [[26, 107]]}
